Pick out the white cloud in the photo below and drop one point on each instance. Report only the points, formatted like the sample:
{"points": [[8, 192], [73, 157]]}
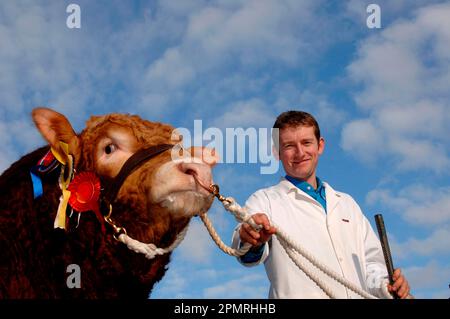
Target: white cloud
{"points": [[181, 8], [21, 132], [153, 103], [436, 244], [173, 285], [229, 281], [40, 65], [329, 116], [356, 9], [417, 204], [170, 72], [221, 220], [390, 70], [197, 246], [250, 285], [150, 63], [250, 113], [245, 32], [390, 138], [404, 71], [401, 121], [233, 181], [225, 44], [363, 139], [77, 72], [421, 206], [415, 155], [432, 276]]}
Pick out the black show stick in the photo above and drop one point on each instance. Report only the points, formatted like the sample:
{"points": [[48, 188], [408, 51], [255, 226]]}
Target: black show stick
{"points": [[386, 250]]}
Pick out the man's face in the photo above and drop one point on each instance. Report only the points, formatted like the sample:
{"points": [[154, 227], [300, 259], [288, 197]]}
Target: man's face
{"points": [[299, 152]]}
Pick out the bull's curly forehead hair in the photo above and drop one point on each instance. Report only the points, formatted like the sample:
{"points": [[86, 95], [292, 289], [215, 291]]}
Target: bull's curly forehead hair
{"points": [[295, 119], [145, 132]]}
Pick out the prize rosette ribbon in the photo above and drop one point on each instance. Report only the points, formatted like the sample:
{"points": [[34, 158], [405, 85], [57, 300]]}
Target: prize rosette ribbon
{"points": [[84, 194]]}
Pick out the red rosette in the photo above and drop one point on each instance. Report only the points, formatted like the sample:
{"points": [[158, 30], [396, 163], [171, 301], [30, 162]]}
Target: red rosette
{"points": [[84, 192]]}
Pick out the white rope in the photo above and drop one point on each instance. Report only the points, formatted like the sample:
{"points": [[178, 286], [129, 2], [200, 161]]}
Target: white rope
{"points": [[316, 279], [150, 250], [242, 215], [215, 236], [295, 246]]}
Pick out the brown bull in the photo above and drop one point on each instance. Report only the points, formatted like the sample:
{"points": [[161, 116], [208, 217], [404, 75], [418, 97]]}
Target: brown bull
{"points": [[154, 204]]}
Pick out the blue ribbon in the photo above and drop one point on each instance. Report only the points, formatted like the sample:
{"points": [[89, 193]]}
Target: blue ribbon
{"points": [[37, 185]]}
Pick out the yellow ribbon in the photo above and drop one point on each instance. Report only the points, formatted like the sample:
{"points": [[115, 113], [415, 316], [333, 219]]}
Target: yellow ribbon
{"points": [[60, 220], [61, 157], [67, 163]]}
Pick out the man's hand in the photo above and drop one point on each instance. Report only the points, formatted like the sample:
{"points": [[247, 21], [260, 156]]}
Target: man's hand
{"points": [[249, 235], [400, 287]]}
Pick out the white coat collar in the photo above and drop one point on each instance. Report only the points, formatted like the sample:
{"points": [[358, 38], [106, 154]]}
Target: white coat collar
{"points": [[332, 196]]}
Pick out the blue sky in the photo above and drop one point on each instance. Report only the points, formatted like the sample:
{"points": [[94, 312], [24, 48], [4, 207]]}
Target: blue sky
{"points": [[381, 96]]}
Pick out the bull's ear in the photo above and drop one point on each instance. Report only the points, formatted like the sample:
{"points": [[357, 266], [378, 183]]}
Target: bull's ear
{"points": [[55, 128]]}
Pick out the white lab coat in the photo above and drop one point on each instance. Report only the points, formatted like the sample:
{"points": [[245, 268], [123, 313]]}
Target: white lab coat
{"points": [[342, 239]]}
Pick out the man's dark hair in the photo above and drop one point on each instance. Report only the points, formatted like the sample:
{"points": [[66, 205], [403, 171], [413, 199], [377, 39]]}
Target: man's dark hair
{"points": [[294, 119]]}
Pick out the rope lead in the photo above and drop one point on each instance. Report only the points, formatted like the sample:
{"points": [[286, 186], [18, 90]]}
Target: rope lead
{"points": [[287, 243]]}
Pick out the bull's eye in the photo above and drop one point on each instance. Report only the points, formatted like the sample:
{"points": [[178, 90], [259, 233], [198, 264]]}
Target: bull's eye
{"points": [[110, 148]]}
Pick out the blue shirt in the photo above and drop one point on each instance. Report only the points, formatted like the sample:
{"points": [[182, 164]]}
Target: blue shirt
{"points": [[318, 194]]}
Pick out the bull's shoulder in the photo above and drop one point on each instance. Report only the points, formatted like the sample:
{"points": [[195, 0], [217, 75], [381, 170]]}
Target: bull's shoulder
{"points": [[16, 188], [22, 167]]}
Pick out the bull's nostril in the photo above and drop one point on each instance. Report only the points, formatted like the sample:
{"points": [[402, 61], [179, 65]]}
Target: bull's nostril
{"points": [[187, 169], [200, 173], [190, 172]]}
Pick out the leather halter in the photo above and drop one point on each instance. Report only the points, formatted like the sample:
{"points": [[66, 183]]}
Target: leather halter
{"points": [[136, 160]]}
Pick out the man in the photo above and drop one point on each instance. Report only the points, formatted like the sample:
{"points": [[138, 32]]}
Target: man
{"points": [[327, 223]]}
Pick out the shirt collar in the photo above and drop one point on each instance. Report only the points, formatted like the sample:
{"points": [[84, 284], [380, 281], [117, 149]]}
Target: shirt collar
{"points": [[305, 186]]}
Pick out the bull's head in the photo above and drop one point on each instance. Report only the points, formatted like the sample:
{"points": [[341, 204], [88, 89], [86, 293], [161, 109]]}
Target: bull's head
{"points": [[156, 199]]}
